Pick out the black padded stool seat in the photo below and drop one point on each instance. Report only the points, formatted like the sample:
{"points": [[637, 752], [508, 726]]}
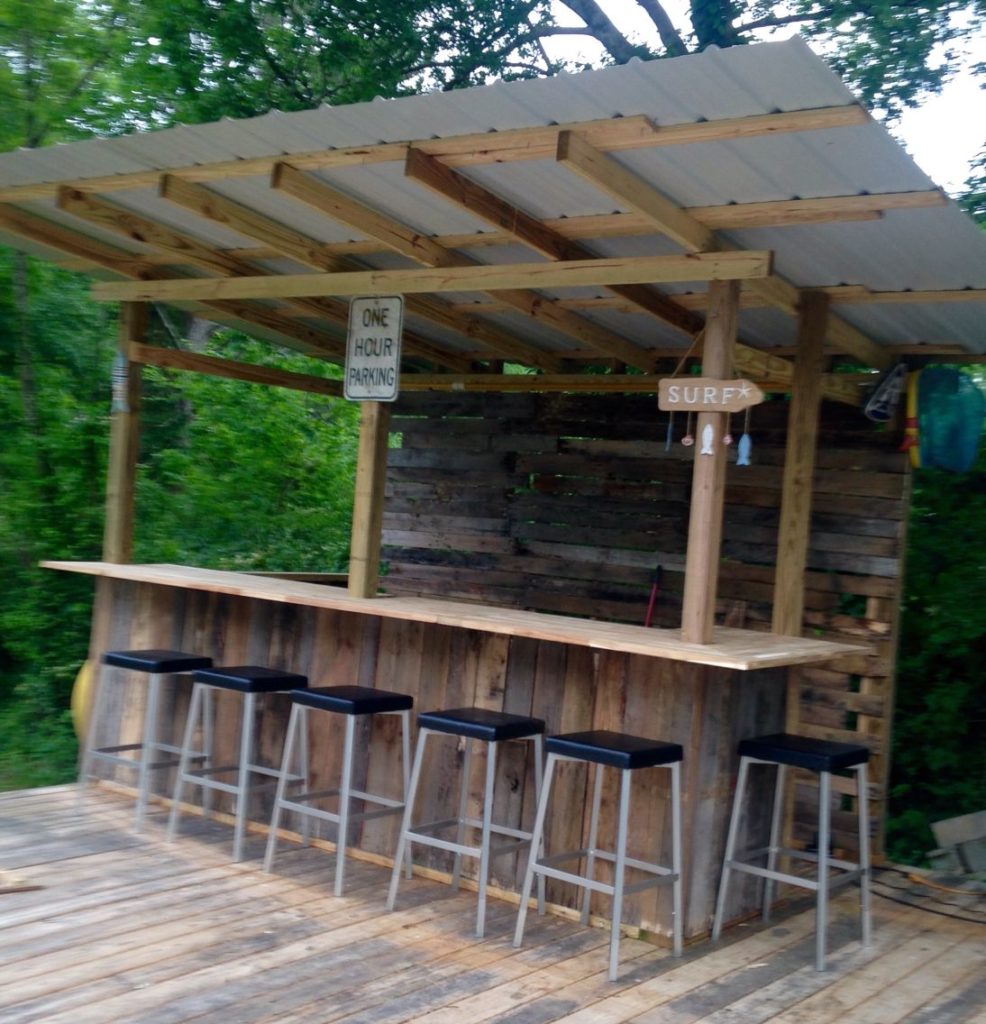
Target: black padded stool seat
{"points": [[481, 724], [781, 751], [607, 749], [474, 725], [617, 749], [353, 700], [252, 682], [355, 704], [250, 679], [804, 752], [144, 756], [156, 661]]}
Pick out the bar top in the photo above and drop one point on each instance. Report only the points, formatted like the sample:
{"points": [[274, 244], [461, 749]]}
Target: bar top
{"points": [[731, 648]]}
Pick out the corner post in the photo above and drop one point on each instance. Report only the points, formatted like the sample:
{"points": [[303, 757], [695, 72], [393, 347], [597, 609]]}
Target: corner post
{"points": [[799, 465], [371, 476], [709, 473], [121, 469]]}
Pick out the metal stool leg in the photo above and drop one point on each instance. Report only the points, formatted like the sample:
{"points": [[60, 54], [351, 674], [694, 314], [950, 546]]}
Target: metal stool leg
{"points": [[282, 783], [619, 870], [305, 772], [821, 906], [484, 846], [590, 865], [243, 775], [402, 842], [345, 798], [208, 733], [537, 850], [862, 798], [460, 832], [194, 705], [677, 911], [730, 847], [775, 840], [148, 749], [406, 775], [537, 841]]}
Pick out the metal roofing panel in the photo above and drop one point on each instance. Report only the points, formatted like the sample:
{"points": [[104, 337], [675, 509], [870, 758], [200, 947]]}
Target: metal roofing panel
{"points": [[919, 249]]}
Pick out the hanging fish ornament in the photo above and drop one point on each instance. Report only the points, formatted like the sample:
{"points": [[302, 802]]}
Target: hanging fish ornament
{"points": [[707, 435], [745, 446], [743, 450]]}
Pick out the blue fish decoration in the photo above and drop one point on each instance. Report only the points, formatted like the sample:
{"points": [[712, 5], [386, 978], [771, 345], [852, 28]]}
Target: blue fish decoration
{"points": [[743, 450]]}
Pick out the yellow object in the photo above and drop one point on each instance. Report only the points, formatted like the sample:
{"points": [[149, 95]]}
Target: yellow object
{"points": [[912, 443], [82, 698]]}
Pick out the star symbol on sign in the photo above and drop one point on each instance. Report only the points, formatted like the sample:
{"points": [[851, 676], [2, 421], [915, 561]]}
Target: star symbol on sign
{"points": [[745, 390]]}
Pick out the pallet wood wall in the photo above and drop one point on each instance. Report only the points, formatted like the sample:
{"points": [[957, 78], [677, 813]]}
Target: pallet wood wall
{"points": [[567, 503]]}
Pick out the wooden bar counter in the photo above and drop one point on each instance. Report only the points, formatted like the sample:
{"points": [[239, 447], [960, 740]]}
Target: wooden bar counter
{"points": [[575, 673]]}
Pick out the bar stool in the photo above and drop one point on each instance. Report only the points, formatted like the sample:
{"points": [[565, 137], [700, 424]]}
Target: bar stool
{"points": [[353, 702], [492, 728], [154, 664], [822, 757], [629, 754], [251, 681]]}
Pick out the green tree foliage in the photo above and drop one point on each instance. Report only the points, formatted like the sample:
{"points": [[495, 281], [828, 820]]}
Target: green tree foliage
{"points": [[245, 476], [939, 761]]}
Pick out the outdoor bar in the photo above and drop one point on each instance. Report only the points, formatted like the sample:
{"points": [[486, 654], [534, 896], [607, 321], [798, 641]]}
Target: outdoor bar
{"points": [[529, 493]]}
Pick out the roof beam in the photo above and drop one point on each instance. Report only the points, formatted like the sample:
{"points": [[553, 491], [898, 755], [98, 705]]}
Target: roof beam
{"points": [[408, 242], [285, 241], [458, 189], [728, 266], [532, 143], [177, 359], [605, 173], [97, 253], [189, 250]]}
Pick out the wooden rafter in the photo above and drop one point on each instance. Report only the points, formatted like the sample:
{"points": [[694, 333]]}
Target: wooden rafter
{"points": [[98, 253], [534, 143], [286, 242], [603, 172], [727, 266], [778, 213], [188, 250], [408, 242], [456, 188]]}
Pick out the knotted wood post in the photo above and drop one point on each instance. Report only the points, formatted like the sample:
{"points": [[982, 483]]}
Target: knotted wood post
{"points": [[121, 469], [709, 473], [799, 465], [371, 476]]}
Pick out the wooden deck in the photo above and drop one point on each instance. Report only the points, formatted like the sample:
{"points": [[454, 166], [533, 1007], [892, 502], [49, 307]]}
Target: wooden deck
{"points": [[126, 928]]}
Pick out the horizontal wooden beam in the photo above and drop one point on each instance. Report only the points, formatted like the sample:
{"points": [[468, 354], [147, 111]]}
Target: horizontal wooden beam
{"points": [[534, 143], [175, 359], [574, 273]]}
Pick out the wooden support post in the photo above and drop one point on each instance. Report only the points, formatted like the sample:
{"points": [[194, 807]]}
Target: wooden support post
{"points": [[799, 464], [371, 474], [121, 470], [709, 473]]}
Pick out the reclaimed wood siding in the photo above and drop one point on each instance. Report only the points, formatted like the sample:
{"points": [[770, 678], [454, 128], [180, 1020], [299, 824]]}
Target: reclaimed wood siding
{"points": [[568, 503]]}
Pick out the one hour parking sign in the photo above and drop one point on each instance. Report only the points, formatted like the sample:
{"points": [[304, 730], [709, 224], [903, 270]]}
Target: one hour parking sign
{"points": [[373, 348]]}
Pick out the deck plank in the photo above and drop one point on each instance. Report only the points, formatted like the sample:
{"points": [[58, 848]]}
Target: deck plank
{"points": [[129, 929]]}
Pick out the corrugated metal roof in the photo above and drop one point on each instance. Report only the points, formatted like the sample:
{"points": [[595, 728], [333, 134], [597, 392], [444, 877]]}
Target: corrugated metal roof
{"points": [[921, 249]]}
